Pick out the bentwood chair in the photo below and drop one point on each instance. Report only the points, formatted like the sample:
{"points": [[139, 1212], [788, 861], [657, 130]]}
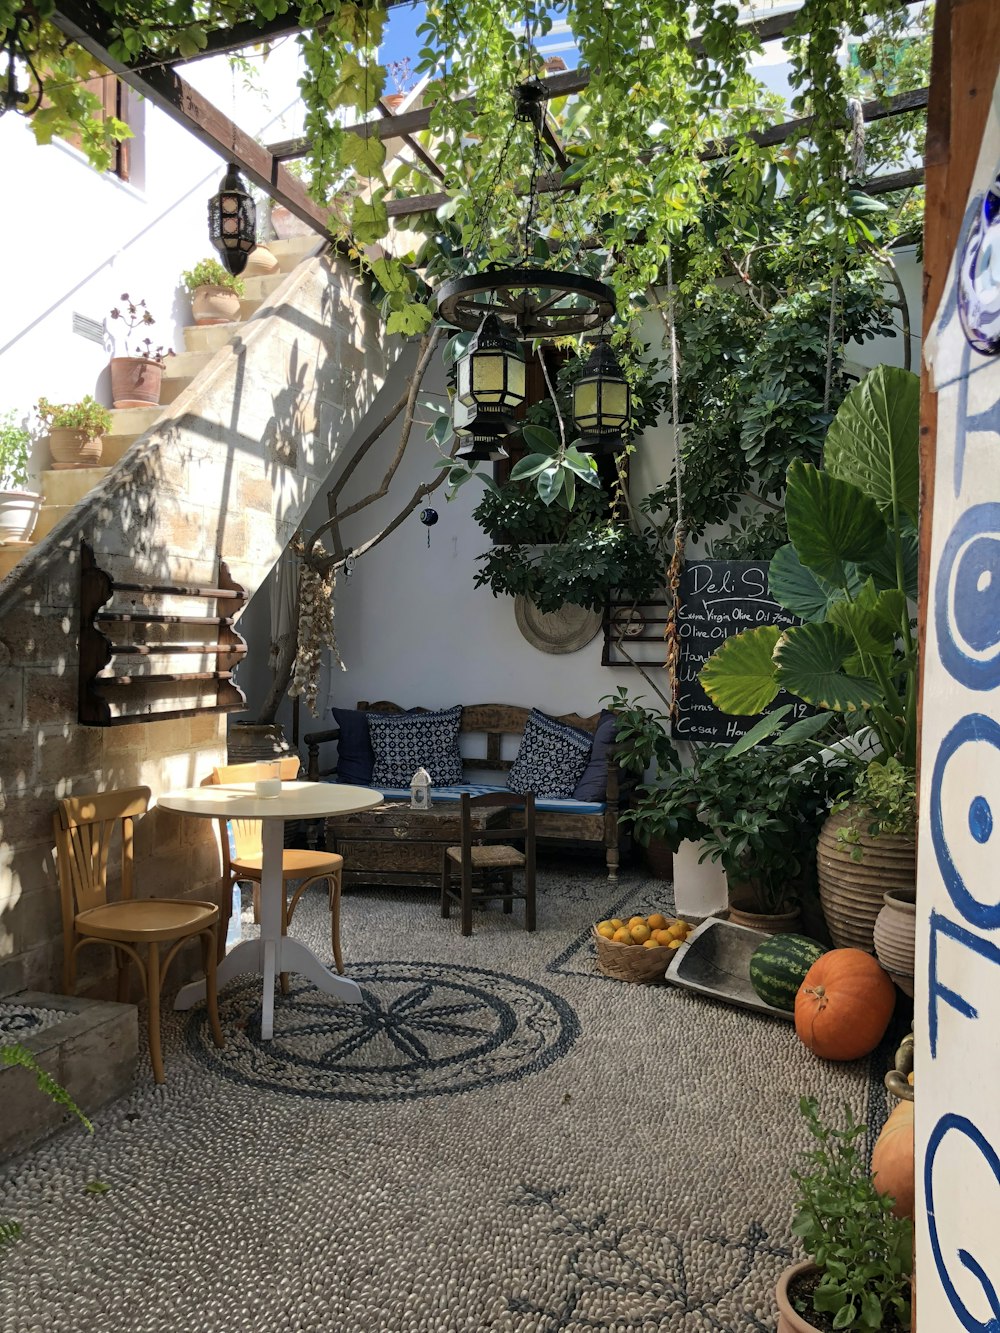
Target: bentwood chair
{"points": [[299, 866], [481, 858], [84, 827]]}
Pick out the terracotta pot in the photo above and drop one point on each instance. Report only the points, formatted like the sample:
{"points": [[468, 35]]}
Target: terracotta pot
{"points": [[789, 1319], [261, 263], [895, 935], [135, 381], [852, 891], [286, 224], [251, 741], [18, 514], [659, 858], [743, 912], [211, 304], [74, 448]]}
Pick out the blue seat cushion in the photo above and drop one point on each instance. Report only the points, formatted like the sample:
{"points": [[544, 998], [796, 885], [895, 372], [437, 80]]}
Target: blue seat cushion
{"points": [[593, 785], [355, 757], [551, 803]]}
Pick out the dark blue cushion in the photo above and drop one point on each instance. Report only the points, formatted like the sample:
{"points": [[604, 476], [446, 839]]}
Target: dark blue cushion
{"points": [[355, 756], [551, 757], [593, 785]]}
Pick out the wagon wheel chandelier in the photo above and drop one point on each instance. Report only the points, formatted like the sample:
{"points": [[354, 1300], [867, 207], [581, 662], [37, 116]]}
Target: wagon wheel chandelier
{"points": [[530, 301], [12, 96]]}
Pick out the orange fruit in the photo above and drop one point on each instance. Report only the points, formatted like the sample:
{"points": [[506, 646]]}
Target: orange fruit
{"points": [[617, 922], [636, 921], [650, 944], [675, 944], [607, 930], [622, 936], [676, 931], [640, 932], [657, 921], [662, 936]]}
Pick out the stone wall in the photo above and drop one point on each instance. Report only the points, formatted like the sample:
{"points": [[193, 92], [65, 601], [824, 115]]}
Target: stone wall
{"points": [[227, 474]]}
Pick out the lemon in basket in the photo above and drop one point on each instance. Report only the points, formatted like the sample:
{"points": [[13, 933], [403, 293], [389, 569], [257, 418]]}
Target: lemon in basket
{"points": [[607, 930], [622, 935], [640, 932]]}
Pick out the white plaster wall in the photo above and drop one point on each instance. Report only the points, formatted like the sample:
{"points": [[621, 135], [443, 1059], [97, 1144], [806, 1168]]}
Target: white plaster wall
{"points": [[77, 238], [410, 624]]}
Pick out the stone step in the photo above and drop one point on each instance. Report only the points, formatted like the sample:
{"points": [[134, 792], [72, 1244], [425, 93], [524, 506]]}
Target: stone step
{"points": [[10, 554], [185, 365], [116, 447], [291, 253], [68, 486], [173, 387], [248, 307], [208, 337], [133, 420], [48, 517], [259, 288]]}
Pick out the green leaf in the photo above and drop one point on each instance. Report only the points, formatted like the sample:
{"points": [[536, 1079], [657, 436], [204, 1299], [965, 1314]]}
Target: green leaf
{"points": [[529, 466], [873, 620], [364, 152], [412, 319], [369, 220], [804, 729], [845, 1316], [882, 566], [549, 483], [874, 440], [831, 523], [97, 1187], [810, 660], [740, 676], [767, 725], [798, 589], [871, 1310], [540, 439]]}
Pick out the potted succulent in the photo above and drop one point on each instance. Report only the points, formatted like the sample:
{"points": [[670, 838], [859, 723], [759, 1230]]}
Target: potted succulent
{"points": [[18, 506], [849, 573], [857, 1275], [76, 431], [215, 292], [137, 375]]}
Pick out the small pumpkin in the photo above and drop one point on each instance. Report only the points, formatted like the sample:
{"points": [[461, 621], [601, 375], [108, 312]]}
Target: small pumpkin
{"points": [[844, 1005], [892, 1160]]}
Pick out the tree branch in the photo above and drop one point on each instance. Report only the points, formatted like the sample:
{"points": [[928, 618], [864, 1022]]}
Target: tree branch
{"points": [[335, 562], [282, 672]]}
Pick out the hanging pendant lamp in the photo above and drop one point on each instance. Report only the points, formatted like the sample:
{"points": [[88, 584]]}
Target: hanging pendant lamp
{"points": [[602, 402], [489, 387], [232, 221]]}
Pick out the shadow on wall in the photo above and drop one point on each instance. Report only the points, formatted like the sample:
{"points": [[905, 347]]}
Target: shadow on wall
{"points": [[228, 475]]}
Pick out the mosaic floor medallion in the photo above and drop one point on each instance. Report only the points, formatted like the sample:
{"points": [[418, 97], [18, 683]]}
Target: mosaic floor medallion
{"points": [[423, 1030], [18, 1021]]}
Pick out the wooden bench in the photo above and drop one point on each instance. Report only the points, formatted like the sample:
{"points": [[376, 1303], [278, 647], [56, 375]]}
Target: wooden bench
{"points": [[381, 848]]}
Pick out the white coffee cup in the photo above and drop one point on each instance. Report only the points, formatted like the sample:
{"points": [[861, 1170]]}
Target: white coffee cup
{"points": [[267, 787]]}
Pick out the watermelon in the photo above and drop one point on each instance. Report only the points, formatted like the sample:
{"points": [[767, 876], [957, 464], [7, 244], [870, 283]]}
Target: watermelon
{"points": [[779, 965]]}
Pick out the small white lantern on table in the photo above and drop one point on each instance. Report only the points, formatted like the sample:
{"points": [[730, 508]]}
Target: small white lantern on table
{"points": [[420, 790]]}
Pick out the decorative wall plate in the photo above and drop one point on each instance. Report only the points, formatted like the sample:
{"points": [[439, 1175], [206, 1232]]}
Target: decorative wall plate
{"points": [[628, 623], [564, 631]]}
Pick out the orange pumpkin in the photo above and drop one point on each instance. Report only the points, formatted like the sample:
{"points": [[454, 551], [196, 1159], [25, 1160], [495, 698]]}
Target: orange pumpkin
{"points": [[844, 1005], [892, 1159]]}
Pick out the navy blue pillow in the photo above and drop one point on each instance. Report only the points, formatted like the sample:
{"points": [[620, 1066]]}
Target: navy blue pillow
{"points": [[355, 756], [593, 785]]}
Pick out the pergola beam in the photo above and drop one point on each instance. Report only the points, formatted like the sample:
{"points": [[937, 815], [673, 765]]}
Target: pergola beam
{"points": [[556, 85], [552, 182], [86, 24]]}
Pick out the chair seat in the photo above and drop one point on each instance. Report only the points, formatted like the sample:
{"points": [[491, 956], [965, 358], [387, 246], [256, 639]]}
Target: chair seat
{"points": [[296, 863], [489, 857], [147, 919]]}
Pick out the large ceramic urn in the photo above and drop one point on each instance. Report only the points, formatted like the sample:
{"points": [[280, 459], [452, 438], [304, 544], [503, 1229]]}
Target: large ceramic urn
{"points": [[855, 873]]}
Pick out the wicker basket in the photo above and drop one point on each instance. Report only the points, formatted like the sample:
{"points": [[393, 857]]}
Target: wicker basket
{"points": [[631, 962]]}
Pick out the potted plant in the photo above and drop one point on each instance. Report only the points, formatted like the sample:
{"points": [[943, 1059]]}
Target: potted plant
{"points": [[215, 293], [76, 431], [849, 572], [137, 375], [18, 506], [641, 744], [857, 1275]]}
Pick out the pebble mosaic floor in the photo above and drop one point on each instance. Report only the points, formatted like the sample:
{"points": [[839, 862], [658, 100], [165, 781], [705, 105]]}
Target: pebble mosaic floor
{"points": [[18, 1021], [499, 1140]]}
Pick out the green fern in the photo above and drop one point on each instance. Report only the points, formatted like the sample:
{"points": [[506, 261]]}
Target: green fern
{"points": [[19, 1055], [9, 1232]]}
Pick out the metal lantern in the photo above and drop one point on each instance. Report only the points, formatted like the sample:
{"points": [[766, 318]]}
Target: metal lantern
{"points": [[489, 382], [232, 221], [602, 401]]}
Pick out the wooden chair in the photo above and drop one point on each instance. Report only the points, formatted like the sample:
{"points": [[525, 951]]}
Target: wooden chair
{"points": [[300, 865], [486, 856], [84, 826]]}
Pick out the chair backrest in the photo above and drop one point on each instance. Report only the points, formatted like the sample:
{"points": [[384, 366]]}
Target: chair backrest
{"points": [[248, 838], [505, 833], [84, 827]]}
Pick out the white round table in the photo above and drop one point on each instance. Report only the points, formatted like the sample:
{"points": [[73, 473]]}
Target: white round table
{"points": [[272, 952]]}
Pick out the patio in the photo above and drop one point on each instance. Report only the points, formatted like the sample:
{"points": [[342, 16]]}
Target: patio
{"points": [[502, 1139]]}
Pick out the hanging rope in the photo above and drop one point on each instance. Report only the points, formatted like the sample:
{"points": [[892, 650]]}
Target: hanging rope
{"points": [[671, 632]]}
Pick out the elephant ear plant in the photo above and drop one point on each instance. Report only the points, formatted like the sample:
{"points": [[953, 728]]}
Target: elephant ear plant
{"points": [[849, 572]]}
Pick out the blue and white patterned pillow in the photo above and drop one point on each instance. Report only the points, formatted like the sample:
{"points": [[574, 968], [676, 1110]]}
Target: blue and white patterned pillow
{"points": [[551, 757], [404, 742]]}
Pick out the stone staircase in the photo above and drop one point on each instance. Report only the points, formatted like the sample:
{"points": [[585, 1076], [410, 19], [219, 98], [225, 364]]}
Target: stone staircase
{"points": [[63, 489]]}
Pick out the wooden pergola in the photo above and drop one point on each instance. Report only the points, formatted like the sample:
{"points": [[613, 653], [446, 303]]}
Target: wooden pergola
{"points": [[155, 76]]}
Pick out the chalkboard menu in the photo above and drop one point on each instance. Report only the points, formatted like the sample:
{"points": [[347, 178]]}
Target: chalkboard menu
{"points": [[720, 598]]}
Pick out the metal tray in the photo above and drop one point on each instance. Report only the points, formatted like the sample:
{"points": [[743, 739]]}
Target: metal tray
{"points": [[715, 960]]}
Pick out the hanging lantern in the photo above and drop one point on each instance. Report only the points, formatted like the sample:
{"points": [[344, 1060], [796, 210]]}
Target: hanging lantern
{"points": [[489, 381], [232, 221], [14, 97], [602, 402]]}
